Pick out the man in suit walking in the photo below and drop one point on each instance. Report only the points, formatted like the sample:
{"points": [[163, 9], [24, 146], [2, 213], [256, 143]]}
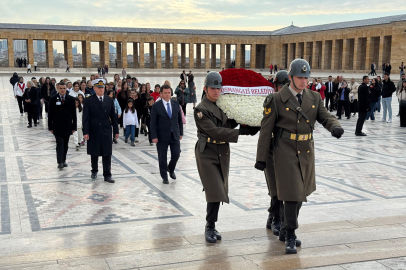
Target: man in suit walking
{"points": [[98, 117], [330, 92], [62, 122], [166, 130]]}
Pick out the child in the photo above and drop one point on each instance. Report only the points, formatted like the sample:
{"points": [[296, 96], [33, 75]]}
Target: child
{"points": [[146, 116], [130, 121], [81, 99], [117, 107], [78, 135]]}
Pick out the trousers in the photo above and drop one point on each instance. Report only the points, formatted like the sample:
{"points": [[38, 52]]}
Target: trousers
{"points": [[360, 122], [212, 211], [106, 165], [78, 136], [20, 104], [291, 213], [276, 209], [62, 144], [343, 103], [162, 148], [32, 114], [387, 107]]}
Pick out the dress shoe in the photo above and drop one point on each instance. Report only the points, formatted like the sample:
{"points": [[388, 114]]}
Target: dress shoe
{"points": [[360, 134], [339, 118], [142, 131], [276, 227], [290, 246], [109, 179], [65, 164], [114, 141], [60, 166], [35, 125], [165, 181], [126, 140], [172, 175], [210, 233], [29, 126], [94, 175], [282, 238], [145, 133], [269, 221]]}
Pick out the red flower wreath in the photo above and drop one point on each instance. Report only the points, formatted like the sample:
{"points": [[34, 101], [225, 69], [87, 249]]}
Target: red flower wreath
{"points": [[243, 78]]}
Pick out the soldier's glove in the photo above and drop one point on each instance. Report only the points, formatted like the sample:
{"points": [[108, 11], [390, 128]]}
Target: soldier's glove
{"points": [[244, 130], [254, 130], [260, 165], [337, 132]]}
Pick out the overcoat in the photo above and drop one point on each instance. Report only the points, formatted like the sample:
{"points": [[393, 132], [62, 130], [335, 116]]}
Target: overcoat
{"points": [[62, 116], [294, 160], [98, 118], [213, 158]]}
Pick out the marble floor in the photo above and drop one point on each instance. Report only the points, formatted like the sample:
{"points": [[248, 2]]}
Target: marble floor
{"points": [[53, 219]]}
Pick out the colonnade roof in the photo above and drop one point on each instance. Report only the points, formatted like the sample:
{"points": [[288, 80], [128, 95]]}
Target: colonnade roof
{"points": [[280, 32]]}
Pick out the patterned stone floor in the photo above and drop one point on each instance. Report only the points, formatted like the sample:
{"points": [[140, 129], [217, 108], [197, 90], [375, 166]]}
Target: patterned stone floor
{"points": [[46, 210]]}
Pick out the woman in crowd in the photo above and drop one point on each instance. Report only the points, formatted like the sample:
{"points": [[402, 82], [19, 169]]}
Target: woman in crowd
{"points": [[78, 135], [39, 98], [374, 94], [144, 95], [115, 81], [89, 89], [118, 86], [30, 103], [182, 93], [379, 81], [168, 83], [139, 107], [149, 91], [146, 117], [46, 91], [402, 104], [82, 87], [74, 93], [156, 93], [192, 95], [117, 107], [353, 96], [122, 99], [19, 89]]}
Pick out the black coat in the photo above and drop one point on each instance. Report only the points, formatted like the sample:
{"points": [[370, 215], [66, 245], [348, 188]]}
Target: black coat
{"points": [[333, 85], [14, 79], [161, 124], [32, 95], [62, 118], [388, 87], [146, 116], [44, 91], [346, 96], [98, 117], [139, 105], [374, 93], [363, 98]]}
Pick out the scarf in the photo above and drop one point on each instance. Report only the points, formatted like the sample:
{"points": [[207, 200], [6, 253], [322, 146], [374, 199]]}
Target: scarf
{"points": [[22, 86]]}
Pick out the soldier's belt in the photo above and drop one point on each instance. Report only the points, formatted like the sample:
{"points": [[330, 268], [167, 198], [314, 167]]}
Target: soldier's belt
{"points": [[296, 137], [209, 140]]}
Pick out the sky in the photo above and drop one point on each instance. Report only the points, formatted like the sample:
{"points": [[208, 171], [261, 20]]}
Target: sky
{"points": [[196, 14]]}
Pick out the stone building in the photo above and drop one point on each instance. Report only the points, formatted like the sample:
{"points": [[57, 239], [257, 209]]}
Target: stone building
{"points": [[346, 46]]}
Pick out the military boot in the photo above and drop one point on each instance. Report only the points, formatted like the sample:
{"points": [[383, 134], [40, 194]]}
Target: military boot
{"points": [[210, 233], [282, 237], [269, 221], [276, 227], [290, 243]]}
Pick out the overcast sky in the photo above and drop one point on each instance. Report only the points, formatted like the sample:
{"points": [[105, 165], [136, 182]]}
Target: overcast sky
{"points": [[197, 14]]}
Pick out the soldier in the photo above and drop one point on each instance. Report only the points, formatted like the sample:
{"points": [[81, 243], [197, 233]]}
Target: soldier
{"points": [[276, 208], [215, 131], [290, 115]]}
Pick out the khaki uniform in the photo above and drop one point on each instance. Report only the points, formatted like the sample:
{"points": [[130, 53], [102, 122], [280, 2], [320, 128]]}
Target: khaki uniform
{"points": [[294, 159], [212, 150]]}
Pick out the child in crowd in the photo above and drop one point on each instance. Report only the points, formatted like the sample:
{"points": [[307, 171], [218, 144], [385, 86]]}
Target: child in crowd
{"points": [[78, 135], [146, 117], [82, 100], [130, 121], [117, 107]]}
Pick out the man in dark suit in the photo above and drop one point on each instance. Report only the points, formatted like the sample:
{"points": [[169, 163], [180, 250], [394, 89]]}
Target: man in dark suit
{"points": [[98, 117], [330, 92], [166, 130], [363, 105], [30, 98], [62, 122]]}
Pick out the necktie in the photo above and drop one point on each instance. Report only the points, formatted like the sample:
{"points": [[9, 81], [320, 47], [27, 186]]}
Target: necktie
{"points": [[168, 108], [63, 99], [101, 99], [299, 98]]}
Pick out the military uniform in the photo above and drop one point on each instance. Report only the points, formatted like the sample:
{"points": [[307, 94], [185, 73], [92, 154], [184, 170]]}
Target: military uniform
{"points": [[293, 153]]}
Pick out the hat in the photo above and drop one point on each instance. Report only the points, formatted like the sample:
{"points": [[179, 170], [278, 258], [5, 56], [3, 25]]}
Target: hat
{"points": [[98, 83]]}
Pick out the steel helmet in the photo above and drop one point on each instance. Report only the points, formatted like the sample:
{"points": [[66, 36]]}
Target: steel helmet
{"points": [[213, 79], [282, 78], [299, 68]]}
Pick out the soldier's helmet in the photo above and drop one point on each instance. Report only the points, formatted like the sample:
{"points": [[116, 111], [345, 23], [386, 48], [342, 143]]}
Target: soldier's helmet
{"points": [[282, 78], [299, 68], [213, 79]]}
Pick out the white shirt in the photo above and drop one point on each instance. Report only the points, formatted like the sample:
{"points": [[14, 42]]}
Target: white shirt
{"points": [[69, 90], [102, 97], [130, 118], [35, 64], [330, 87], [166, 106], [75, 94], [19, 91], [29, 66]]}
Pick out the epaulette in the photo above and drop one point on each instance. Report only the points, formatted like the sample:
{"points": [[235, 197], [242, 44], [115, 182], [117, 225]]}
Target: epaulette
{"points": [[268, 100]]}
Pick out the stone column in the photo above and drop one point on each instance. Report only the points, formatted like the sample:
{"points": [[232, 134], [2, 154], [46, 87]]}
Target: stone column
{"points": [[119, 55], [238, 55], [101, 53], [381, 54], [86, 54], [222, 55], [368, 54], [124, 54], [306, 51], [49, 48], [242, 56], [357, 54], [142, 59], [334, 54], [182, 55], [207, 56], [290, 49], [67, 44], [135, 55], [158, 55], [253, 55], [323, 55], [175, 55], [346, 54], [198, 55], [315, 56], [30, 52], [151, 55], [228, 55], [10, 50], [167, 55], [299, 52], [191, 56], [213, 55]]}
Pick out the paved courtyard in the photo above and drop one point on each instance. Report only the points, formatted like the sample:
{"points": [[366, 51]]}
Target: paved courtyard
{"points": [[53, 219]]}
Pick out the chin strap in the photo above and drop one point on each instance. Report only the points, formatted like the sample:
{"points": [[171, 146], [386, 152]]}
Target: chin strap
{"points": [[293, 82]]}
